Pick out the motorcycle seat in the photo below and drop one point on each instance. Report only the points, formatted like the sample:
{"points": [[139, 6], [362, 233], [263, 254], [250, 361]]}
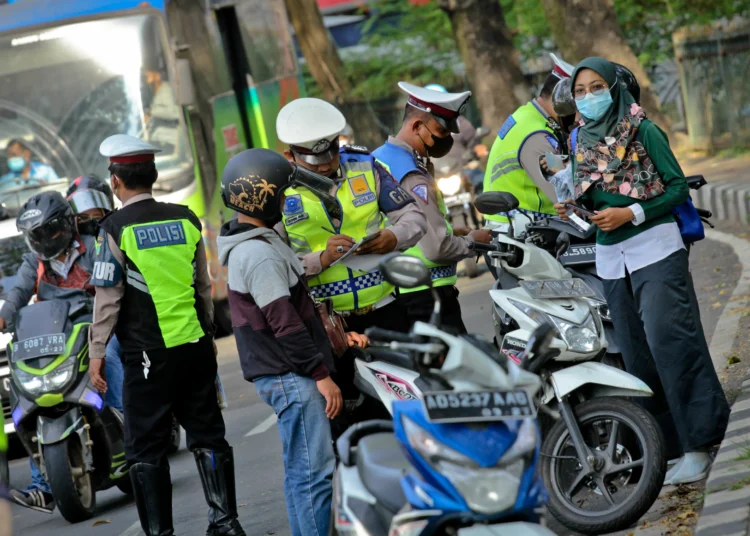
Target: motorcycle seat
{"points": [[381, 465]]}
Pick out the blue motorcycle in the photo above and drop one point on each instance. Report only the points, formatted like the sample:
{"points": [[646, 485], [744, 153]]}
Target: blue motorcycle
{"points": [[460, 460]]}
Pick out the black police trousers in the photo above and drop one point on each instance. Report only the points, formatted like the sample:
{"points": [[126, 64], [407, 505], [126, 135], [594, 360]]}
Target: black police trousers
{"points": [[180, 380], [418, 306]]}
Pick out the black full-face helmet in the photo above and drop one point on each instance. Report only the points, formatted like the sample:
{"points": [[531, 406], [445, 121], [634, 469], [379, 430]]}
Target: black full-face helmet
{"points": [[46, 221]]}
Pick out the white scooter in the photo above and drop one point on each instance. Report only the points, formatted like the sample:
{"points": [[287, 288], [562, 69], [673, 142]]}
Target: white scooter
{"points": [[605, 460], [418, 474]]}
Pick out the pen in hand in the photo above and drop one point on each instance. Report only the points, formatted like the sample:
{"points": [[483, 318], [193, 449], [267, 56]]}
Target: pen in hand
{"points": [[327, 230]]}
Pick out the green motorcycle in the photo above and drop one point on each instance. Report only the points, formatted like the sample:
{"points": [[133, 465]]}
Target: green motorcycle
{"points": [[61, 419]]}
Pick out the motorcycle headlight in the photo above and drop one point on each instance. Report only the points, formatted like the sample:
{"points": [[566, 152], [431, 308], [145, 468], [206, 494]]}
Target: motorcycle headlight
{"points": [[53, 381], [602, 308], [450, 185], [486, 490], [582, 338]]}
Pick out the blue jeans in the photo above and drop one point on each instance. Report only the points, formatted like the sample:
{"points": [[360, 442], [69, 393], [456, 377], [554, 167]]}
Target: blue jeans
{"points": [[308, 451], [113, 398]]}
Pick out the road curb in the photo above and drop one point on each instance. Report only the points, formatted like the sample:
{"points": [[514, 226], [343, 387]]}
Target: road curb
{"points": [[727, 200], [726, 508]]}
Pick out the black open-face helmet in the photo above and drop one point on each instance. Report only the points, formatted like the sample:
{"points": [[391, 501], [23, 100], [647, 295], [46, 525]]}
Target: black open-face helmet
{"points": [[563, 101], [628, 81], [254, 180], [46, 221], [87, 193]]}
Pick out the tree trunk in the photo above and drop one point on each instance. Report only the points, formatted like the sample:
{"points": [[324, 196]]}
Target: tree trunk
{"points": [[320, 52], [492, 64], [584, 28]]}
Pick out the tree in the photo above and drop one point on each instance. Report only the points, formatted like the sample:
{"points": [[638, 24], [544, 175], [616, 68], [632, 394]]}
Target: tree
{"points": [[585, 28], [492, 64], [320, 52]]}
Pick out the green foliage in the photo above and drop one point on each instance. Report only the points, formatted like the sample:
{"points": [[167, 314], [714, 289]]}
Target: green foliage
{"points": [[648, 24], [527, 22]]}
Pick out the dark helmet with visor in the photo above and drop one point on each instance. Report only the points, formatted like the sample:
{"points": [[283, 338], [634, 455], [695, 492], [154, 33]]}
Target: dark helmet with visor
{"points": [[46, 221], [254, 180], [89, 192], [628, 81], [563, 101]]}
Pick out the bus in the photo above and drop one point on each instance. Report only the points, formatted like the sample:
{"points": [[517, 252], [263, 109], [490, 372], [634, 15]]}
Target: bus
{"points": [[200, 79]]}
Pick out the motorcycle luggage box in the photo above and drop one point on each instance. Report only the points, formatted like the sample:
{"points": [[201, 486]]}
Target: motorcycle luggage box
{"points": [[381, 465]]}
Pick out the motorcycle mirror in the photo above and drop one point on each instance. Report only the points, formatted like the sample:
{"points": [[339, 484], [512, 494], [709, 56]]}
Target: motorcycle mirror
{"points": [[538, 346], [495, 202], [562, 243], [405, 271]]}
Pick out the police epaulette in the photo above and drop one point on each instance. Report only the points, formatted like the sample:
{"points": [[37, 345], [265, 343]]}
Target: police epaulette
{"points": [[356, 149]]}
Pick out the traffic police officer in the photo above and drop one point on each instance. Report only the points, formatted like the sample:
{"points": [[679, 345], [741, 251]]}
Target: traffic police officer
{"points": [[514, 162], [363, 192], [154, 292], [430, 118]]}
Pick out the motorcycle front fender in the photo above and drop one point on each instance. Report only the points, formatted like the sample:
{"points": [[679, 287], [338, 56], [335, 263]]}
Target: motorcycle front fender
{"points": [[600, 380], [53, 430]]}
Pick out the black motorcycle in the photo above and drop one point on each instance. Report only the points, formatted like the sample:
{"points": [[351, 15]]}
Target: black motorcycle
{"points": [[60, 417]]}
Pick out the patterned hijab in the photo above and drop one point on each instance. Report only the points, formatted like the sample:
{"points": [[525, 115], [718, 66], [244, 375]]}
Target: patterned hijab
{"points": [[608, 154]]}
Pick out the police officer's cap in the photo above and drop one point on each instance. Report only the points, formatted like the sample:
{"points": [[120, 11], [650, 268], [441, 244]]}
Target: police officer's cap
{"points": [[562, 68], [311, 128], [124, 149], [444, 107]]}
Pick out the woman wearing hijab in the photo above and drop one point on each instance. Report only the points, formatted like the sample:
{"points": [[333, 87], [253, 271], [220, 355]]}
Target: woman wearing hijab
{"points": [[624, 170]]}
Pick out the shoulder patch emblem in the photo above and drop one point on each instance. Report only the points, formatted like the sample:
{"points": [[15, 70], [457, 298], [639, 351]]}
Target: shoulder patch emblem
{"points": [[359, 185], [421, 191], [509, 124]]}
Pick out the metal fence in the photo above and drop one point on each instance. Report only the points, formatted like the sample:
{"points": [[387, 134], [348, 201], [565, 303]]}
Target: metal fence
{"points": [[714, 64]]}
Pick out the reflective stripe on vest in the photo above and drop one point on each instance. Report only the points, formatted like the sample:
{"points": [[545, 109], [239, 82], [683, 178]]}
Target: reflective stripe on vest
{"points": [[306, 220], [443, 275], [163, 253], [504, 172]]}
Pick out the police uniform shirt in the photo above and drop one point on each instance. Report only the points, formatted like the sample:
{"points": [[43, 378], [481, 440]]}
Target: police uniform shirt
{"points": [[438, 245], [108, 298], [408, 223]]}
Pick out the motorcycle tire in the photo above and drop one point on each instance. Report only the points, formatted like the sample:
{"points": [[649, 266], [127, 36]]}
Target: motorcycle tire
{"points": [[650, 474], [471, 267], [75, 497], [174, 440]]}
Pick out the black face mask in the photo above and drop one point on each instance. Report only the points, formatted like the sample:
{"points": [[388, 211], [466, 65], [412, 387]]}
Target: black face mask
{"points": [[88, 226], [440, 146]]}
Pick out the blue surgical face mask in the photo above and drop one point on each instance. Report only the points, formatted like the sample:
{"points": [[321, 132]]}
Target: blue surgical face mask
{"points": [[593, 107], [16, 163]]}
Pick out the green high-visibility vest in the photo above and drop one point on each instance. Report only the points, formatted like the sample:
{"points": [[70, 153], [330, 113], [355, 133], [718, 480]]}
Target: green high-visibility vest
{"points": [[306, 220], [504, 172]]}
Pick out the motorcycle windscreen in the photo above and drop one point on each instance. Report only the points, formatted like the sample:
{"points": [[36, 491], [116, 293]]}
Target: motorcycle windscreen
{"points": [[40, 330], [533, 150]]}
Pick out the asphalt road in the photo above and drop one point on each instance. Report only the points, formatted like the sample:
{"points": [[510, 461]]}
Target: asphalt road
{"points": [[251, 431]]}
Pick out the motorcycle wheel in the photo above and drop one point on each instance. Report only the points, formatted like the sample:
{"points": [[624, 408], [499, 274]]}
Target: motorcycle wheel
{"points": [[632, 469], [471, 267], [72, 488], [174, 441]]}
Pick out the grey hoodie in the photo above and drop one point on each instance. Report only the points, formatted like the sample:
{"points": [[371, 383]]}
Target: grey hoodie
{"points": [[276, 327]]}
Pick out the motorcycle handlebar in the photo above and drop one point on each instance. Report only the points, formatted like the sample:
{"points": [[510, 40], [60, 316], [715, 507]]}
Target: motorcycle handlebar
{"points": [[393, 357], [484, 248], [703, 213], [386, 335]]}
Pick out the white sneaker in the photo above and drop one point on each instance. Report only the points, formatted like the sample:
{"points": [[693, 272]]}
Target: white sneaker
{"points": [[673, 470], [693, 467]]}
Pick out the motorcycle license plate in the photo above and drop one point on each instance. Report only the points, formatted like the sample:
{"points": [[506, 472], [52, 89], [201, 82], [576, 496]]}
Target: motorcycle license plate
{"points": [[584, 254], [557, 288], [43, 345], [450, 406]]}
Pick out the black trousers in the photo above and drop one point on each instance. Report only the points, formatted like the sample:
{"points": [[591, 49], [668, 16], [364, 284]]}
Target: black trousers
{"points": [[181, 380], [418, 306], [657, 324]]}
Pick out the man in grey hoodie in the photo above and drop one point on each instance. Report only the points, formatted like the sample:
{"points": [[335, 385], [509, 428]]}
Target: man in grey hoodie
{"points": [[283, 347]]}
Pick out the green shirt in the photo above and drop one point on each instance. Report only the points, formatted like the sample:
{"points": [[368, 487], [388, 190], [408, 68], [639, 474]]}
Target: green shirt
{"points": [[657, 210]]}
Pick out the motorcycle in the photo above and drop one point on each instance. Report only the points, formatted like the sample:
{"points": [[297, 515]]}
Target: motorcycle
{"points": [[460, 461], [61, 419], [605, 447]]}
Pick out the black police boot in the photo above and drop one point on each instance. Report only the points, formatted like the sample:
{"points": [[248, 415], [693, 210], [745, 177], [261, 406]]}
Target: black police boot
{"points": [[152, 488], [216, 468]]}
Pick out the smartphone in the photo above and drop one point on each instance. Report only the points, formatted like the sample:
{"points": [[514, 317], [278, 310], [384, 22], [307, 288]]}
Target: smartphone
{"points": [[366, 239], [583, 211], [555, 162]]}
